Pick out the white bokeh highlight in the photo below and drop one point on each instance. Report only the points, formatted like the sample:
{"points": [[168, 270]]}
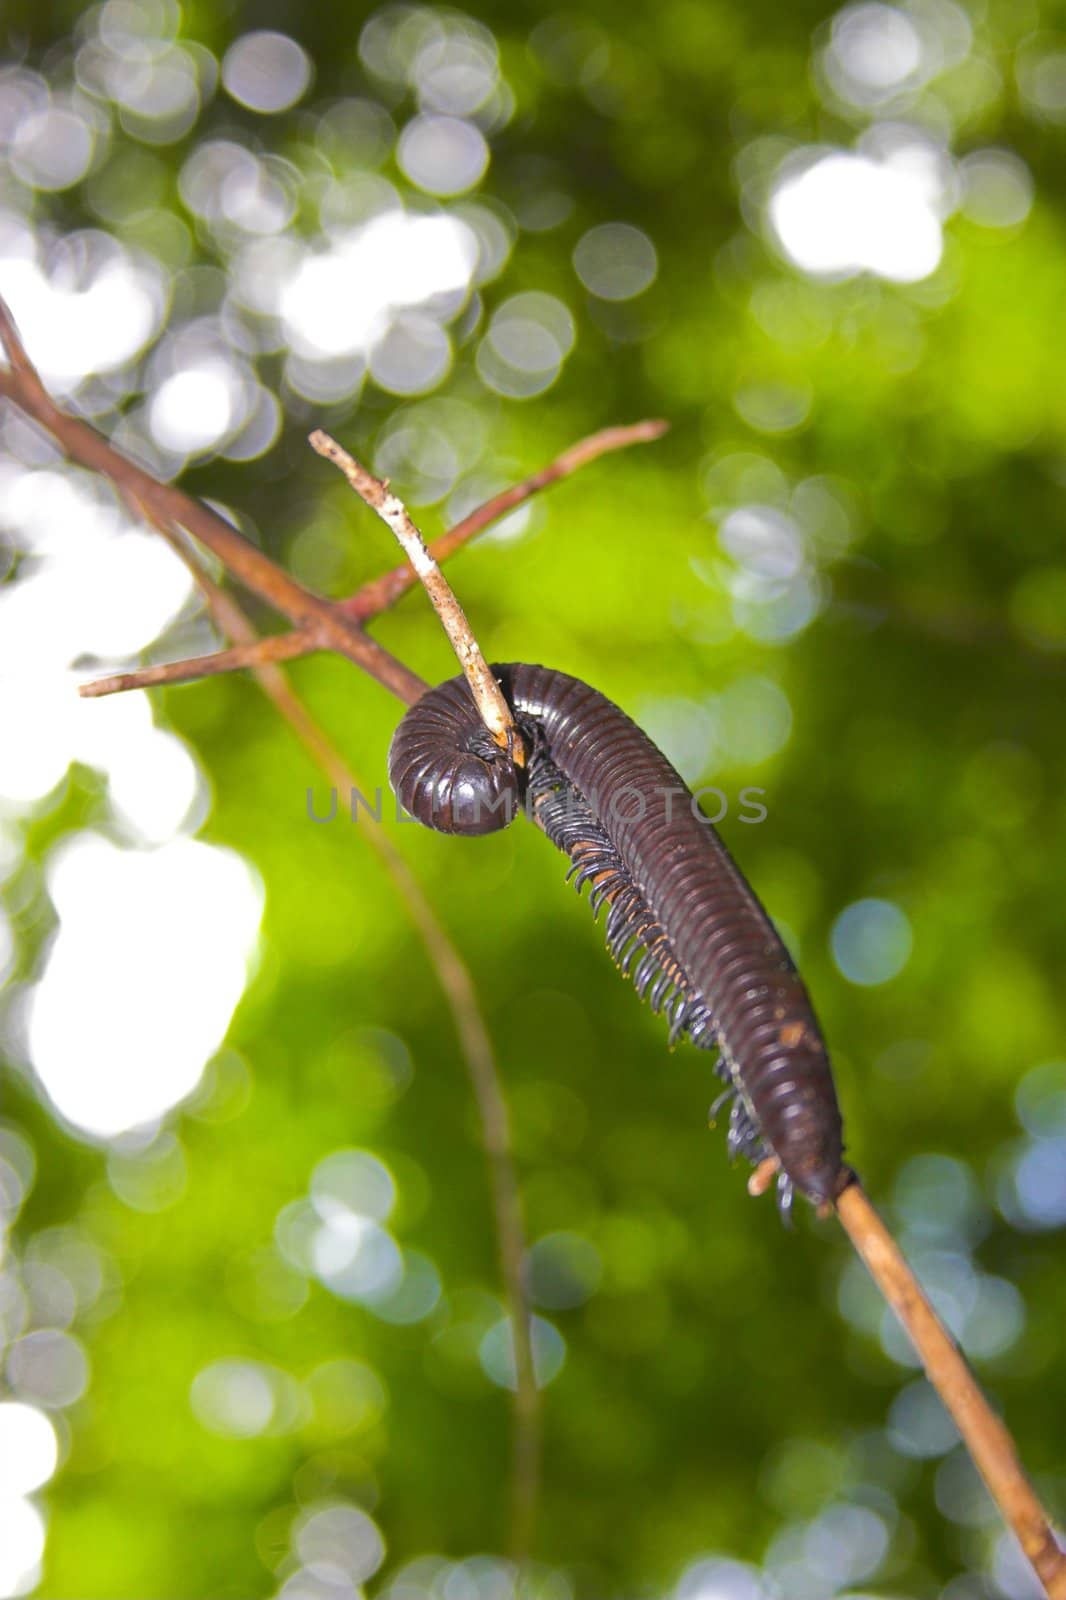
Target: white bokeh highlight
{"points": [[111, 1031], [21, 1545], [396, 260], [842, 214], [267, 72], [28, 1448]]}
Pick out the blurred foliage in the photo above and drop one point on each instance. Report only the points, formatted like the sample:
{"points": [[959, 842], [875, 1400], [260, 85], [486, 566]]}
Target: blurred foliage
{"points": [[839, 579]]}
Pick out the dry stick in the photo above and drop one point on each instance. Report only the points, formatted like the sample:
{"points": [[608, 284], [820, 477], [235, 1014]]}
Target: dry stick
{"points": [[495, 713], [24, 386], [987, 1439], [257, 652], [380, 593], [169, 505]]}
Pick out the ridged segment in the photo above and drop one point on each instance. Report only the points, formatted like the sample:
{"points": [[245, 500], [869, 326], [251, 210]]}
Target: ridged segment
{"points": [[705, 949]]}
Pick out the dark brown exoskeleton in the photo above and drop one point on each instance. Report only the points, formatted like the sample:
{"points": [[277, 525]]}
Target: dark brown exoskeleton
{"points": [[682, 919]]}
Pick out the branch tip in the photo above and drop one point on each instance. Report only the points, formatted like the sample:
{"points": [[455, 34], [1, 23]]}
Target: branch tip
{"points": [[492, 707]]}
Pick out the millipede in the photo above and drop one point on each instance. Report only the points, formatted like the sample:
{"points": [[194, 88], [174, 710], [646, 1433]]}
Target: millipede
{"points": [[682, 920]]}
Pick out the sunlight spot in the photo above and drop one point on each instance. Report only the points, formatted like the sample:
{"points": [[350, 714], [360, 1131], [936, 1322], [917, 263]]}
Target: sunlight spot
{"points": [[193, 409], [719, 1578], [84, 324], [754, 720], [997, 188], [1033, 1194], [918, 1424], [413, 357], [266, 71], [845, 1543], [233, 1397], [339, 1539], [871, 941], [356, 1259], [443, 155], [843, 214], [564, 1270], [763, 541], [244, 1399], [28, 1448], [152, 784], [92, 586], [21, 1546], [875, 48], [496, 1353], [397, 260], [529, 338], [148, 1178], [1041, 74], [225, 183], [615, 261], [52, 150], [352, 1181], [456, 67], [48, 1367], [113, 1031]]}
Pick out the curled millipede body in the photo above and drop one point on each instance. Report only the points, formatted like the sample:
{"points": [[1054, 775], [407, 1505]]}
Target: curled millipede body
{"points": [[682, 920]]}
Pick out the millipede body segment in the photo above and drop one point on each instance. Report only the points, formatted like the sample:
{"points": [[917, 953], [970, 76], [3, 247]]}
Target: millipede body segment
{"points": [[681, 918]]}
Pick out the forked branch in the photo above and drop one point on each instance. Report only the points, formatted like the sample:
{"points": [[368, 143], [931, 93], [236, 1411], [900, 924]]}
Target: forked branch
{"points": [[379, 594]]}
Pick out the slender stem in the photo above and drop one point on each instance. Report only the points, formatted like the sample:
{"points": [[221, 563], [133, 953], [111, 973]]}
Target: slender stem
{"points": [[488, 696], [257, 652], [987, 1439]]}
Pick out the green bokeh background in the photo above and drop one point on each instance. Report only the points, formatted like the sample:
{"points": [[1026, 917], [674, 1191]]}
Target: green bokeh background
{"points": [[719, 1387]]}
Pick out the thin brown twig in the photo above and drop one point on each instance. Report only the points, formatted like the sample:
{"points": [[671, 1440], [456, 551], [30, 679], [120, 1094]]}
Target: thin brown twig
{"points": [[381, 593], [321, 621], [987, 1439], [258, 652], [452, 973], [378, 594], [493, 709]]}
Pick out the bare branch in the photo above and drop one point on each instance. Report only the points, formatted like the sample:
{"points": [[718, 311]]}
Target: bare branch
{"points": [[493, 709], [322, 623], [21, 365], [986, 1438], [258, 652], [382, 592]]}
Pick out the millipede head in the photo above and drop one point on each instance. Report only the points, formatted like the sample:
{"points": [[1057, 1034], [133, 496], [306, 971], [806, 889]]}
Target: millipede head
{"points": [[446, 770]]}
